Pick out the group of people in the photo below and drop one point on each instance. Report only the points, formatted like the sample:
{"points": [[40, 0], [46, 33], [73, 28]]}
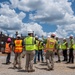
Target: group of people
{"points": [[35, 48]]}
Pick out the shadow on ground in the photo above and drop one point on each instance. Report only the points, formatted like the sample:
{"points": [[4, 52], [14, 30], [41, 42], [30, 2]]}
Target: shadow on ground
{"points": [[73, 67], [43, 64], [21, 71], [40, 68]]}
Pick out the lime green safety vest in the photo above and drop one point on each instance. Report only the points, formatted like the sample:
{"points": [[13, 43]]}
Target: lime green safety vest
{"points": [[63, 46], [40, 46], [36, 45], [29, 43], [71, 43]]}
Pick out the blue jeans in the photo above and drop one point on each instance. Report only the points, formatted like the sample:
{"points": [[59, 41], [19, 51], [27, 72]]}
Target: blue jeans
{"points": [[40, 54], [36, 55]]}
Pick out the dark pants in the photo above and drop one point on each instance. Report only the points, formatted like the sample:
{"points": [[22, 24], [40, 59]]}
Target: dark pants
{"points": [[40, 54], [65, 54], [8, 58], [71, 56]]}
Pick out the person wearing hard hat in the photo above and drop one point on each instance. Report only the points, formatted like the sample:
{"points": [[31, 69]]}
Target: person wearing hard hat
{"points": [[64, 47], [40, 50], [58, 48], [30, 51], [71, 55], [36, 49], [8, 49], [18, 48], [50, 47]]}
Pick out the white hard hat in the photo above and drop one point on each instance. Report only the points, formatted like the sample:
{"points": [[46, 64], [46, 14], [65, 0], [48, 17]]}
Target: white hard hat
{"points": [[36, 36], [48, 36], [30, 31], [64, 38], [71, 36], [18, 35]]}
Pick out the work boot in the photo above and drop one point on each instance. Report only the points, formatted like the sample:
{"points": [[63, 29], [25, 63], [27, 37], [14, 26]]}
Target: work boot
{"points": [[19, 67], [49, 69], [26, 70], [58, 61], [68, 62], [33, 70], [14, 67]]}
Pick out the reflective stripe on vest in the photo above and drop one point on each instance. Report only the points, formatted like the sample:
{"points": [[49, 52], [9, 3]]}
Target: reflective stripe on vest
{"points": [[18, 46], [7, 48], [50, 44], [29, 43]]}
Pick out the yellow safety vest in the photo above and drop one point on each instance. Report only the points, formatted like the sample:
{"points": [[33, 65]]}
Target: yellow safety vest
{"points": [[71, 44], [40, 46], [57, 45], [36, 45], [50, 45], [63, 46], [74, 46], [29, 43]]}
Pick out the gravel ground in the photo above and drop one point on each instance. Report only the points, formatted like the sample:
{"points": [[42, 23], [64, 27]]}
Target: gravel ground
{"points": [[40, 68]]}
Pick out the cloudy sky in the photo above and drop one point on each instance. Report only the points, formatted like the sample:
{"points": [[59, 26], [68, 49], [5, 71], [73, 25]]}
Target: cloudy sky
{"points": [[42, 16]]}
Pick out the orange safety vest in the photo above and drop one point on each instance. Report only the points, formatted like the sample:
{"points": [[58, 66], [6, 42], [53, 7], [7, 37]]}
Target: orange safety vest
{"points": [[7, 48], [50, 44], [18, 46]]}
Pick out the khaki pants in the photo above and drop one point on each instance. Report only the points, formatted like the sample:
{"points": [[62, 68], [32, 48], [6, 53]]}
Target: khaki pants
{"points": [[49, 59], [58, 54], [17, 59], [29, 60]]}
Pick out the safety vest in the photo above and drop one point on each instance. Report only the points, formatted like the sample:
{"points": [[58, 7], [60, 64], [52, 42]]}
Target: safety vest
{"points": [[36, 45], [71, 43], [50, 44], [57, 45], [18, 46], [63, 46], [29, 43], [74, 46], [40, 46], [7, 48]]}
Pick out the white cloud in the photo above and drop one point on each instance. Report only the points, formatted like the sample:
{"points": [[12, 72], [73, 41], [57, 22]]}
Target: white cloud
{"points": [[49, 11], [6, 11], [9, 19], [65, 31], [58, 12], [10, 22], [33, 26]]}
